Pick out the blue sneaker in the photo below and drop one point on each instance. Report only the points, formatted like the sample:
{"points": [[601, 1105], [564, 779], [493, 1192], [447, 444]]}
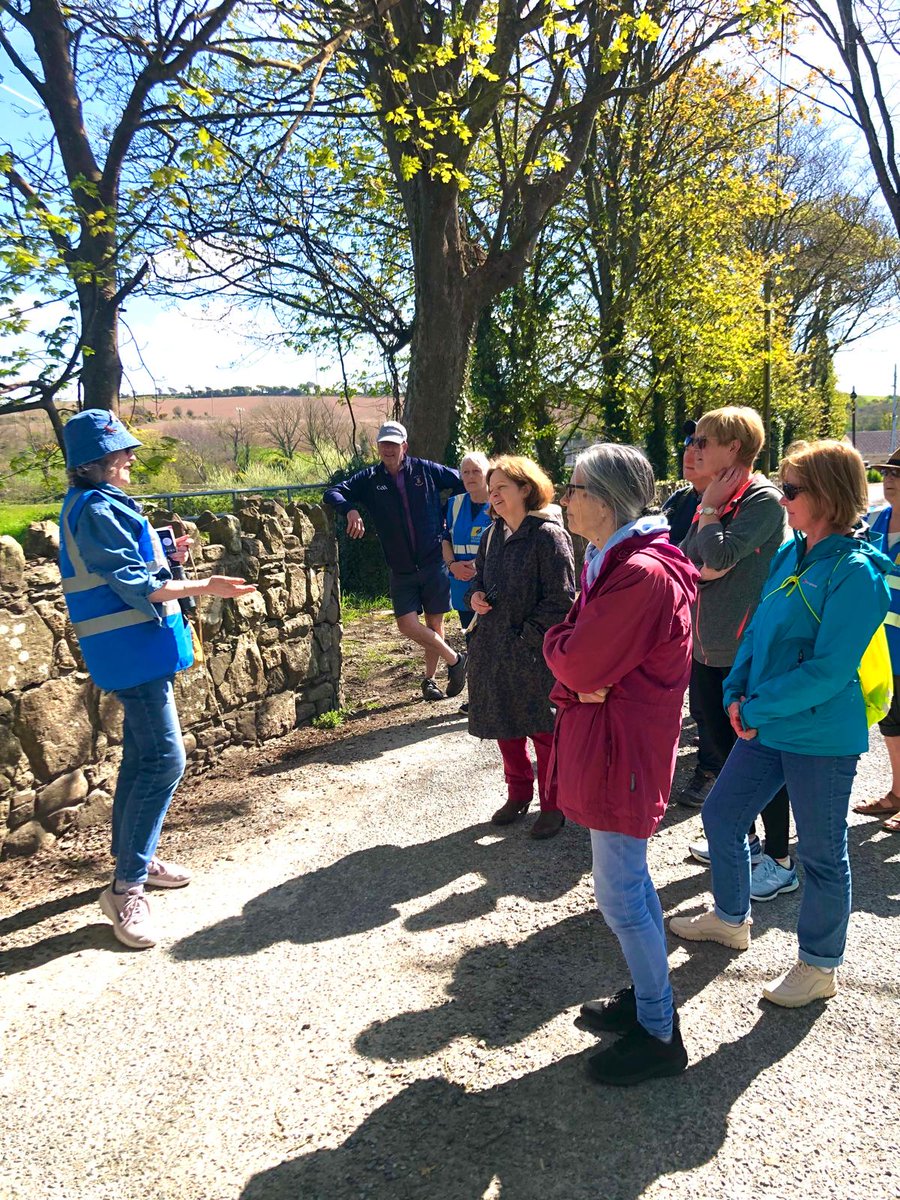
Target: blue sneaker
{"points": [[700, 851], [770, 879]]}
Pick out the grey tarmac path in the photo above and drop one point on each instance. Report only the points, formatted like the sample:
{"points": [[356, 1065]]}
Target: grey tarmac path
{"points": [[377, 1000]]}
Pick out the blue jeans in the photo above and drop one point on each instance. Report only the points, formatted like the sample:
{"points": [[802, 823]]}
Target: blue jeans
{"points": [[630, 906], [152, 764], [819, 787]]}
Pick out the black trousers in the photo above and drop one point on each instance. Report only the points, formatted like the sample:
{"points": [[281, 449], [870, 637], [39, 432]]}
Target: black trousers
{"points": [[716, 739]]}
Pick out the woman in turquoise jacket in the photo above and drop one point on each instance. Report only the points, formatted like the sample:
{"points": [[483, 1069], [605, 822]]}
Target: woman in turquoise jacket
{"points": [[795, 702]]}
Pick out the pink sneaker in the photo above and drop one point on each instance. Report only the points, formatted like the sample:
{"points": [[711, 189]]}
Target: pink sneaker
{"points": [[130, 915], [166, 875]]}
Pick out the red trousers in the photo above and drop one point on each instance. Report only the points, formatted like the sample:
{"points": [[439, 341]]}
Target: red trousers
{"points": [[518, 772]]}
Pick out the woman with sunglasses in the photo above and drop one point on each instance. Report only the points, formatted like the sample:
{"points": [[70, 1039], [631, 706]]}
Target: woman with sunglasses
{"points": [[796, 704], [736, 531], [886, 526], [524, 582], [621, 660]]}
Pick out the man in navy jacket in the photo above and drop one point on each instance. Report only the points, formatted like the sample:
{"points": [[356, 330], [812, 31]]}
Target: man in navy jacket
{"points": [[403, 496]]}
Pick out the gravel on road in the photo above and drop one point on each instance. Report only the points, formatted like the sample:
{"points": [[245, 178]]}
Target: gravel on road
{"points": [[368, 991]]}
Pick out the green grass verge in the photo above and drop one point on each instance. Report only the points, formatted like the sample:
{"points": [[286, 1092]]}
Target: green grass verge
{"points": [[354, 606], [15, 518]]}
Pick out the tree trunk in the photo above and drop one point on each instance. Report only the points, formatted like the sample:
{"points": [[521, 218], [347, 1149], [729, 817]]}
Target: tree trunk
{"points": [[101, 373], [446, 315]]}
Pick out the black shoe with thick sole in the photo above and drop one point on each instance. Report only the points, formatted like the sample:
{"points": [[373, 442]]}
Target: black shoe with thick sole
{"points": [[698, 788], [618, 1014], [639, 1056], [456, 675], [431, 691]]}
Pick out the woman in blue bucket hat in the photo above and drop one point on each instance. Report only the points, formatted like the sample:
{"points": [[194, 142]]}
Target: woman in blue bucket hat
{"points": [[123, 603]]}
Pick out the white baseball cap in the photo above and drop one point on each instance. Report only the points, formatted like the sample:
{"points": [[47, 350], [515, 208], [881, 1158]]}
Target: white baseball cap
{"points": [[392, 431]]}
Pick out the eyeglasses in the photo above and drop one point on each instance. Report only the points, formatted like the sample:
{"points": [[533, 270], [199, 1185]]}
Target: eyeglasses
{"points": [[890, 472], [699, 443], [570, 489], [792, 490]]}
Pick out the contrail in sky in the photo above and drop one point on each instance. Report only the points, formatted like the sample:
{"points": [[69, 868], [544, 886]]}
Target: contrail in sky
{"points": [[18, 95]]}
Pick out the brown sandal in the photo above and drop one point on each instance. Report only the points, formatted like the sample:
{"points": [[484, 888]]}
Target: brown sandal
{"points": [[887, 805], [892, 824]]}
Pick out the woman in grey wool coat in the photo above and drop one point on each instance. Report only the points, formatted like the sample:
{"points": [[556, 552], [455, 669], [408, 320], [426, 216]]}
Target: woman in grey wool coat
{"points": [[524, 583]]}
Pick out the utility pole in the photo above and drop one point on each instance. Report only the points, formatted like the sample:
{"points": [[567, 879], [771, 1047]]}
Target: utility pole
{"points": [[853, 416], [767, 372], [894, 414]]}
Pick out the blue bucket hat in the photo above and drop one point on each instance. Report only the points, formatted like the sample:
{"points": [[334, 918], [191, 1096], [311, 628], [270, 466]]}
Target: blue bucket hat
{"points": [[94, 433]]}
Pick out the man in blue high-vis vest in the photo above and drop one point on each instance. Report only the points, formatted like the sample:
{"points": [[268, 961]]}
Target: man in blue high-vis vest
{"points": [[123, 603], [403, 496]]}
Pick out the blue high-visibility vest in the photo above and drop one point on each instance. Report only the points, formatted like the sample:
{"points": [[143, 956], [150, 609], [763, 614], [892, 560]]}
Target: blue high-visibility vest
{"points": [[122, 647], [466, 523]]}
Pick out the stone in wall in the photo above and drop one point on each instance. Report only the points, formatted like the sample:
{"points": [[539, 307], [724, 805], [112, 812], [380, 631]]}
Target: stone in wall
{"points": [[53, 724], [26, 651]]}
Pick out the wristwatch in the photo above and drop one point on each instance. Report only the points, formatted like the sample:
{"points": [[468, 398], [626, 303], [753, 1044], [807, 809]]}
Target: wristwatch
{"points": [[708, 510]]}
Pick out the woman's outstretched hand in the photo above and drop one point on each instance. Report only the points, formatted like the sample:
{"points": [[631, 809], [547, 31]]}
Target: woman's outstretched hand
{"points": [[228, 587], [594, 697]]}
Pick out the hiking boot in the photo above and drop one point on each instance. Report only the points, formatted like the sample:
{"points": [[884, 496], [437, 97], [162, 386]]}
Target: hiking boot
{"points": [[431, 691], [166, 875], [548, 824], [700, 851], [801, 985], [707, 927], [618, 1014], [638, 1056], [511, 811], [464, 708], [698, 788], [770, 879], [456, 675], [130, 915]]}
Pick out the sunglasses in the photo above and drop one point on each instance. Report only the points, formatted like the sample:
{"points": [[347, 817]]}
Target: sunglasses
{"points": [[570, 489], [890, 472], [699, 443], [792, 490]]}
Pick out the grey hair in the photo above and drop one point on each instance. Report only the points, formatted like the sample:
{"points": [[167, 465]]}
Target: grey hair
{"points": [[476, 457], [89, 474], [620, 476]]}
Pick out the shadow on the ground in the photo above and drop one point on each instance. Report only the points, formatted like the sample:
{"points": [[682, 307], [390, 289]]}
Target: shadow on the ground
{"points": [[494, 995], [98, 936], [550, 1135], [35, 913], [362, 890]]}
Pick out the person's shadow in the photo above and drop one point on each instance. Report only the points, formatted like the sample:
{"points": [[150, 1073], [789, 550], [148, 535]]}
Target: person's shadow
{"points": [[550, 1135], [501, 993], [362, 890]]}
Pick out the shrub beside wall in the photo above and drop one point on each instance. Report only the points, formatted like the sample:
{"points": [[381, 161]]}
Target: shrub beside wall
{"points": [[273, 661]]}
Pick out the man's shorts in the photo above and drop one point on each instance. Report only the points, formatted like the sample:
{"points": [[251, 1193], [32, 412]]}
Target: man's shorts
{"points": [[426, 590], [890, 726]]}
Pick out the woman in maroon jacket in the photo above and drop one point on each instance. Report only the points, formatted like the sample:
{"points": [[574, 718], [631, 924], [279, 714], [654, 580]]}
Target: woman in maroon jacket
{"points": [[622, 661]]}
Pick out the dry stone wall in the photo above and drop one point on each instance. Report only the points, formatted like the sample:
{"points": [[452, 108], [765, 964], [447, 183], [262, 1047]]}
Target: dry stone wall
{"points": [[273, 661]]}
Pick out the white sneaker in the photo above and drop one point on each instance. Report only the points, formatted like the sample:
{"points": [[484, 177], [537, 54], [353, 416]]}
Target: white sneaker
{"points": [[130, 915], [707, 927], [801, 985]]}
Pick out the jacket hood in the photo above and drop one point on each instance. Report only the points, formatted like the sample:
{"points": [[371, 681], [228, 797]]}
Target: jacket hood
{"points": [[858, 541], [550, 512], [679, 567]]}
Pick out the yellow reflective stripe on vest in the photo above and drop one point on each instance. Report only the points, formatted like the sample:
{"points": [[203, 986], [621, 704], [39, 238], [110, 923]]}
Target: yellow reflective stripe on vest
{"points": [[892, 619], [83, 580], [893, 581], [116, 620]]}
